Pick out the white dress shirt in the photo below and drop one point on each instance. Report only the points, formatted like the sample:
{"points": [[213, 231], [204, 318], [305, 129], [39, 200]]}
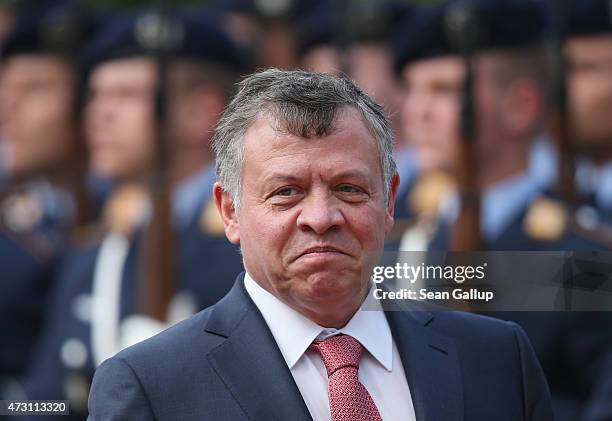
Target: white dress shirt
{"points": [[380, 371]]}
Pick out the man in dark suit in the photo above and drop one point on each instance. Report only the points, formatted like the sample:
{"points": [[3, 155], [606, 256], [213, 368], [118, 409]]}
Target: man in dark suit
{"points": [[306, 186]]}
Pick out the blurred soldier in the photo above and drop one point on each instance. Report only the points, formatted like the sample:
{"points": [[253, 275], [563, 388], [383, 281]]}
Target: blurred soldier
{"points": [[44, 198], [318, 43], [511, 76], [266, 26], [516, 213], [588, 54], [98, 310]]}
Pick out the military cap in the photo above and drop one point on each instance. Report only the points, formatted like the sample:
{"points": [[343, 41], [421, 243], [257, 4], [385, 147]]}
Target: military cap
{"points": [[61, 28], [375, 20], [318, 26], [483, 24], [331, 22], [275, 10], [586, 17], [173, 34]]}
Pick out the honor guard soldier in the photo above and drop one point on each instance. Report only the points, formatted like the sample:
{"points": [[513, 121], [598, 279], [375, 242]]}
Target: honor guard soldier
{"points": [[588, 58], [158, 80], [511, 72], [42, 197], [491, 123]]}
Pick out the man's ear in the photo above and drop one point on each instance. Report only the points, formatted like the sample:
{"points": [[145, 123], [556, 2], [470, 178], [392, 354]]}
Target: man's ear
{"points": [[225, 206], [395, 181]]}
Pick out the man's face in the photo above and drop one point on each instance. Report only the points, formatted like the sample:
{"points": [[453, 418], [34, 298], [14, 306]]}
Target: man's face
{"points": [[493, 109], [590, 89], [36, 120], [313, 216], [431, 110], [119, 118]]}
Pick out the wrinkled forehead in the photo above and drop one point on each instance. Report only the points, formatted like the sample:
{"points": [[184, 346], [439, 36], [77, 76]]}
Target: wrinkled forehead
{"points": [[348, 141], [27, 65], [448, 68], [301, 126], [135, 71], [306, 122], [589, 46]]}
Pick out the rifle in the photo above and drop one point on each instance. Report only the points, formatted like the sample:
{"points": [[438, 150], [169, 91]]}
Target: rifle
{"points": [[161, 34], [559, 119], [462, 31]]}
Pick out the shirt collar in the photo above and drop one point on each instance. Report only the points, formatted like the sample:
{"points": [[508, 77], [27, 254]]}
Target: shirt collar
{"points": [[499, 204], [57, 204], [189, 195], [294, 332], [604, 187], [543, 164], [502, 202], [595, 180], [406, 167]]}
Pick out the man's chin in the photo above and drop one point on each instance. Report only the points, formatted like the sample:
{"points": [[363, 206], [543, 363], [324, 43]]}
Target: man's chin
{"points": [[329, 287]]}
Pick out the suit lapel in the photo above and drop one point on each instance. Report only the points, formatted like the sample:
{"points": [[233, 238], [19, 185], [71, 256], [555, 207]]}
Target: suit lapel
{"points": [[249, 362], [431, 365]]}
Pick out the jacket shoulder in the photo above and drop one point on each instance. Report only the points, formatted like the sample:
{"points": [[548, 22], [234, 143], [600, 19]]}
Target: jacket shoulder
{"points": [[186, 334]]}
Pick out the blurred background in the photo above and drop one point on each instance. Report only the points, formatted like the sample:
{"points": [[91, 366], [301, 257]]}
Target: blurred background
{"points": [[502, 112]]}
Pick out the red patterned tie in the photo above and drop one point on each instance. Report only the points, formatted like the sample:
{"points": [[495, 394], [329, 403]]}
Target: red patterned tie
{"points": [[348, 398]]}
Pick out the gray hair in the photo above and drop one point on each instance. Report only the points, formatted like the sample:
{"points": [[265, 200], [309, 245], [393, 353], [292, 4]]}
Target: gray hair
{"points": [[302, 104]]}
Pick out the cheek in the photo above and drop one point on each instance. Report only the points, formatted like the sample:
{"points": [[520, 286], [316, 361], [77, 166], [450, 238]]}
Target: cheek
{"points": [[595, 98], [367, 225], [409, 110], [137, 134], [447, 117], [263, 232]]}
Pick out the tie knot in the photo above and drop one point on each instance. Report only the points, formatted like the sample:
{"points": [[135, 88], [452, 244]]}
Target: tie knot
{"points": [[338, 351]]}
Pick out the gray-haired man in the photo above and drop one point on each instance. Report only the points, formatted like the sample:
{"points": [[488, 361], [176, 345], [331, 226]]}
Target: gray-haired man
{"points": [[306, 188]]}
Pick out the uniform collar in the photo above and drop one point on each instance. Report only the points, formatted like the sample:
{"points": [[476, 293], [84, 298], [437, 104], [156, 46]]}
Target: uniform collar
{"points": [[500, 204], [595, 180], [190, 195], [503, 202], [406, 167], [543, 162]]}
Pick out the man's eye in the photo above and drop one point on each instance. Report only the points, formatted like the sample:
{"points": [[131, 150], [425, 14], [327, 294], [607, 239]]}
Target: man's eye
{"points": [[349, 189], [286, 191]]}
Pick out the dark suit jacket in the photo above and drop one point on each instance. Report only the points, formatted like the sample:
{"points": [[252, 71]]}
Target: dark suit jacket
{"points": [[223, 364]]}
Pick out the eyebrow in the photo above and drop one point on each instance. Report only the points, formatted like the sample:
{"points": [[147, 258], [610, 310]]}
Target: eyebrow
{"points": [[284, 178], [353, 174], [290, 178]]}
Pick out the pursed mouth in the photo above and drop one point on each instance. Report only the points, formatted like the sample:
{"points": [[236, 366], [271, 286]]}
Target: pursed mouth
{"points": [[321, 250]]}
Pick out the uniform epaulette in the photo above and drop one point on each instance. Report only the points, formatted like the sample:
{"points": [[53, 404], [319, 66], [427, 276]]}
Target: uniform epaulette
{"points": [[546, 219], [549, 219], [21, 212], [20, 216], [588, 224], [34, 243], [428, 192], [127, 209]]}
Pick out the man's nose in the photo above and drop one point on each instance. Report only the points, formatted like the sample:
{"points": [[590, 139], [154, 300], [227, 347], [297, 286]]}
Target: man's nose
{"points": [[320, 213]]}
